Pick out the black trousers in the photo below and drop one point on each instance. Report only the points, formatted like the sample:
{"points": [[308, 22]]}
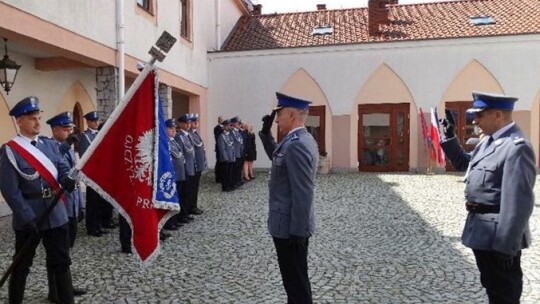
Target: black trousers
{"points": [[93, 210], [502, 285], [294, 272], [189, 193], [72, 227], [196, 185], [226, 176], [238, 167], [106, 210], [125, 233]]}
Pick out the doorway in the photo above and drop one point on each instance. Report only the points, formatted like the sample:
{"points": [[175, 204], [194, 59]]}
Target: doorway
{"points": [[383, 137]]}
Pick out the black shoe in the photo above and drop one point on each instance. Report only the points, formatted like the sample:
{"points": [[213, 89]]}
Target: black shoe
{"points": [[179, 225], [104, 231], [79, 291], [163, 236], [127, 250], [183, 221], [189, 218], [109, 225], [196, 211]]}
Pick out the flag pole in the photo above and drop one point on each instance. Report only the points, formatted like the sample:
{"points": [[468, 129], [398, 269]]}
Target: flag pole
{"points": [[27, 244]]}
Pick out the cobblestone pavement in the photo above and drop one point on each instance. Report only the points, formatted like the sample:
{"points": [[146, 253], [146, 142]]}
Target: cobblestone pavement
{"points": [[381, 238]]}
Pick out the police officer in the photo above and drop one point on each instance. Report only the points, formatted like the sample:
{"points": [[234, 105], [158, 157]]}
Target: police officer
{"points": [[183, 139], [93, 200], [62, 128], [292, 181], [218, 129], [236, 134], [498, 192], [30, 168], [227, 158], [200, 161], [179, 162]]}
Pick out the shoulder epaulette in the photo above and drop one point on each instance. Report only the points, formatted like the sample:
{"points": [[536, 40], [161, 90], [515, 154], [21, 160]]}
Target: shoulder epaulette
{"points": [[518, 140], [45, 137], [295, 137]]}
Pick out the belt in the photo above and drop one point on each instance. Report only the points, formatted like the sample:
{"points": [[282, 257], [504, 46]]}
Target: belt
{"points": [[46, 193], [482, 208]]}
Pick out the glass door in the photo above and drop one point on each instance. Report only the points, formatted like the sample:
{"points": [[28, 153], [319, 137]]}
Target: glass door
{"points": [[383, 137]]}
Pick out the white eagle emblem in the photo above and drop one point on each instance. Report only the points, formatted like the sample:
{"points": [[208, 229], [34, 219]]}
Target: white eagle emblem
{"points": [[144, 163]]}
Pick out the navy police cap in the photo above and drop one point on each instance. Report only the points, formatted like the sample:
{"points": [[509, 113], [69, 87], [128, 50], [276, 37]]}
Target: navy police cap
{"points": [[483, 101], [234, 119], [226, 122], [92, 115], [194, 117], [62, 119], [28, 105], [292, 102], [170, 123], [184, 118]]}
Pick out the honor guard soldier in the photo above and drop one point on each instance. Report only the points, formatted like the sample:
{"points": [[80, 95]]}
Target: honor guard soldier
{"points": [[179, 164], [238, 151], [183, 139], [93, 200], [227, 158], [498, 192], [62, 128], [200, 160], [31, 172], [291, 220]]}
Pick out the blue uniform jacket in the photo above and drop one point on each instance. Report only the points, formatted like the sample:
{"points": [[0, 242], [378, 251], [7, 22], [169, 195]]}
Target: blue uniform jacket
{"points": [[502, 174], [22, 194], [238, 143], [85, 139], [73, 200], [225, 145], [200, 153], [178, 160], [292, 183], [184, 141]]}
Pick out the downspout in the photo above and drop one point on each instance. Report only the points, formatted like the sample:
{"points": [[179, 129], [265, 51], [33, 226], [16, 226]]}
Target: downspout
{"points": [[218, 25], [120, 44]]}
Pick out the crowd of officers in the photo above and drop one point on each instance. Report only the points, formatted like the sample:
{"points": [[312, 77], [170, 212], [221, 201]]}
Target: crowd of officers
{"points": [[29, 195], [235, 153]]}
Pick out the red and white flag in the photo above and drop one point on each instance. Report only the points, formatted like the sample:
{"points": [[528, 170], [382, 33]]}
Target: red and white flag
{"points": [[435, 137], [122, 165]]}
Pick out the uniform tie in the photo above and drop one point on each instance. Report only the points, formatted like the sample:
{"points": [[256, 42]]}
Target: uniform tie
{"points": [[489, 140], [34, 143]]}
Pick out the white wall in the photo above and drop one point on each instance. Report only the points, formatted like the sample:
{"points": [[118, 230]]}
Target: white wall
{"points": [[426, 67]]}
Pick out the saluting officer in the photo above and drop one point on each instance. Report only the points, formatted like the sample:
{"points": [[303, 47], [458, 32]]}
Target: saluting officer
{"points": [[93, 200], [200, 161], [62, 128], [218, 129], [498, 192], [184, 140], [291, 220], [31, 172]]}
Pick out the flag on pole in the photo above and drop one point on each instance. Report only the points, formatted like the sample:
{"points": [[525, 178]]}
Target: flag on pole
{"points": [[427, 136], [435, 137], [129, 165]]}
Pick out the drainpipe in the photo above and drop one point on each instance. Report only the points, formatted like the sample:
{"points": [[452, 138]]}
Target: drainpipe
{"points": [[120, 50], [218, 25]]}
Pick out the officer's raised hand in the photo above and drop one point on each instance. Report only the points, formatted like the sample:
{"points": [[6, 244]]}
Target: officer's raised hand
{"points": [[297, 243], [267, 122], [68, 184], [449, 124]]}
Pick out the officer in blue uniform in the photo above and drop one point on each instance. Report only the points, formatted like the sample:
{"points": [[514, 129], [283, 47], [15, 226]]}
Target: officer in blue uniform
{"points": [[179, 162], [93, 200], [200, 160], [498, 191], [29, 195], [62, 128], [236, 134], [183, 139], [227, 158], [291, 219]]}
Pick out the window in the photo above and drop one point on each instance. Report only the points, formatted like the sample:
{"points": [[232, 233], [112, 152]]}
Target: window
{"points": [[145, 5], [323, 30], [482, 20], [185, 21]]}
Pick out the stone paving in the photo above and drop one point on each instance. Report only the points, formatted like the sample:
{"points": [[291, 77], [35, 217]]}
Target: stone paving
{"points": [[381, 238]]}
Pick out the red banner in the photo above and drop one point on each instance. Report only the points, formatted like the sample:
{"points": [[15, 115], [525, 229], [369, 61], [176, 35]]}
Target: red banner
{"points": [[120, 167]]}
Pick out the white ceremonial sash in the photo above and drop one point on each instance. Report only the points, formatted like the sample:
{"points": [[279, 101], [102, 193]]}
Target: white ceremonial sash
{"points": [[42, 158]]}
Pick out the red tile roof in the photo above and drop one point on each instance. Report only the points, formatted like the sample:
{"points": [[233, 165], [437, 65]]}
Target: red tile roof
{"points": [[407, 22]]}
